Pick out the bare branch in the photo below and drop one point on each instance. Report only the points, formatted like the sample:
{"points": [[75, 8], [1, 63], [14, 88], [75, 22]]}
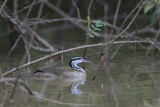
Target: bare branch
{"points": [[4, 3], [24, 8], [153, 44], [13, 47], [68, 50], [53, 7], [22, 28], [78, 12], [116, 14]]}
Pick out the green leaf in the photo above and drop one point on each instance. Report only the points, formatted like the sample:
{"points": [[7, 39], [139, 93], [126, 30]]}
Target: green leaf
{"points": [[90, 35], [98, 24], [158, 10], [149, 6], [95, 33], [154, 15], [90, 29], [95, 27]]}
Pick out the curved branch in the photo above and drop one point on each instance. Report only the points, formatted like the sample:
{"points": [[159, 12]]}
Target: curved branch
{"points": [[68, 50]]}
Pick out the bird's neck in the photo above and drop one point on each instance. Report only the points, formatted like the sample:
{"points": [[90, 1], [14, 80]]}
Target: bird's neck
{"points": [[75, 66]]}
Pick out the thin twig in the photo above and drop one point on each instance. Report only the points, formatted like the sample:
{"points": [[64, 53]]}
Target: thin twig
{"points": [[27, 46], [89, 8], [119, 34], [153, 41], [15, 85], [7, 33], [15, 7], [87, 38], [39, 15], [78, 12], [41, 39], [100, 53], [13, 47], [131, 38], [28, 12], [24, 8], [4, 3], [151, 76], [3, 83], [130, 72], [53, 7], [110, 59], [116, 14], [44, 21], [153, 44], [105, 19], [3, 99]]}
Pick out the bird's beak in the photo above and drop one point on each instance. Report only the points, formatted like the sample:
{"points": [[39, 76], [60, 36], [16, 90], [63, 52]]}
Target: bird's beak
{"points": [[85, 60]]}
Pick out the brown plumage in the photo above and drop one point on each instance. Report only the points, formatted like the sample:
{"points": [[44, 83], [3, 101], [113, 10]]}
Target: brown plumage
{"points": [[72, 71]]}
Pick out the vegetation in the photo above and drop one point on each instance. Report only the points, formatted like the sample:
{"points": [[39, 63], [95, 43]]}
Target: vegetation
{"points": [[33, 31]]}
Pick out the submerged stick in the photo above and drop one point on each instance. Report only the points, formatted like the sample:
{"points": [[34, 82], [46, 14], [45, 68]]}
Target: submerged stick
{"points": [[3, 83], [19, 81], [68, 50]]}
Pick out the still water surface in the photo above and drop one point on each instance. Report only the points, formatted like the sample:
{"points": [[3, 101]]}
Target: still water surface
{"points": [[132, 82]]}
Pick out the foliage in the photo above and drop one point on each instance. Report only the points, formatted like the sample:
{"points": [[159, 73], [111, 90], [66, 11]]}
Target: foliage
{"points": [[94, 28], [149, 6]]}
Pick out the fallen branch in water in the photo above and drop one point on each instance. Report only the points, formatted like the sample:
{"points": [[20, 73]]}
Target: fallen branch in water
{"points": [[68, 50], [40, 97], [19, 81]]}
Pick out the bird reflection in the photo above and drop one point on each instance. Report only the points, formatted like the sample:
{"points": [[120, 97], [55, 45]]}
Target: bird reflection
{"points": [[74, 88]]}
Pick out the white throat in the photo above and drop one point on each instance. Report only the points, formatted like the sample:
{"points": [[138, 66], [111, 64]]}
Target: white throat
{"points": [[75, 66]]}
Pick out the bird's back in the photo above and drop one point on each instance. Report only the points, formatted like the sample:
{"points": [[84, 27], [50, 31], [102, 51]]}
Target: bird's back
{"points": [[59, 71]]}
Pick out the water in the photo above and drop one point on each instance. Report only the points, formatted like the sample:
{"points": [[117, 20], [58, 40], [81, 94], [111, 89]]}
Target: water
{"points": [[131, 82]]}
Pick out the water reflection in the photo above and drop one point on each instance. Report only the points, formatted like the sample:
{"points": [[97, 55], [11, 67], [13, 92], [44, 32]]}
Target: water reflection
{"points": [[123, 86], [59, 83], [74, 88]]}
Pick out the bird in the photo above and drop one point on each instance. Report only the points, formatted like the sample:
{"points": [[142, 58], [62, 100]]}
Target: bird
{"points": [[74, 71]]}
